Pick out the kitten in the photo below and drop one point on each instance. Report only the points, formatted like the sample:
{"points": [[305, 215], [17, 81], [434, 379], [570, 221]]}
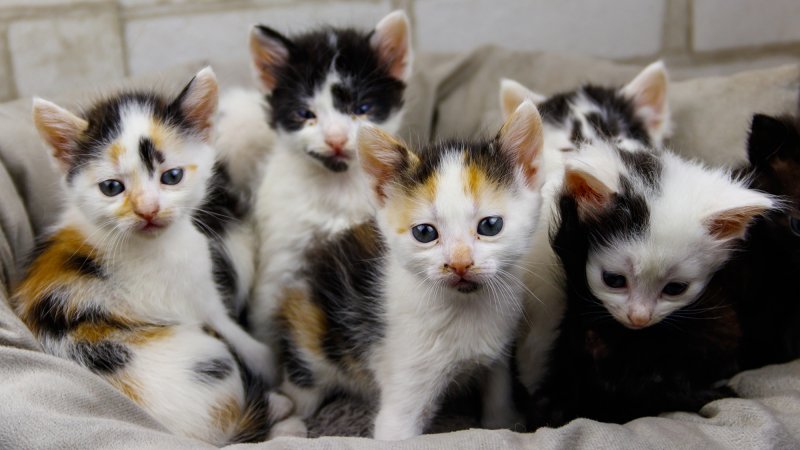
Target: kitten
{"points": [[320, 87], [123, 286], [634, 116], [640, 236], [429, 292], [762, 277]]}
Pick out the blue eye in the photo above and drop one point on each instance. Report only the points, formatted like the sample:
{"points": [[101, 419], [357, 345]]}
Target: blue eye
{"points": [[306, 114], [614, 280], [172, 176], [111, 188], [424, 233], [490, 226], [675, 288], [363, 108]]}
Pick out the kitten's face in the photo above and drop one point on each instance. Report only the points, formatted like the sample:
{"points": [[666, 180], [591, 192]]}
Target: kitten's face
{"points": [[459, 215], [658, 228], [144, 179], [135, 164], [323, 85]]}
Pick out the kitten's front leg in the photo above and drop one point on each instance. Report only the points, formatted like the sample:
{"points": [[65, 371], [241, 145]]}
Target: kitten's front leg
{"points": [[498, 403], [258, 357], [409, 399]]}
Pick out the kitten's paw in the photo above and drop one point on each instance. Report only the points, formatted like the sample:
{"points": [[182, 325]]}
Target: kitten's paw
{"points": [[389, 428], [280, 406], [291, 427]]}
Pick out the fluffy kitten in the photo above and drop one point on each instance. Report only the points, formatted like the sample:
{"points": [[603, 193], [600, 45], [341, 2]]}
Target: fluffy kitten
{"points": [[762, 277], [427, 293], [641, 234], [123, 286], [320, 87], [634, 116]]}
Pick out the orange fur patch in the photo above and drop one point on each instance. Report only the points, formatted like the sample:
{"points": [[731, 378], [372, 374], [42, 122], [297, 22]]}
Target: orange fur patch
{"points": [[305, 319], [226, 413], [148, 334], [115, 152], [93, 332], [127, 386]]}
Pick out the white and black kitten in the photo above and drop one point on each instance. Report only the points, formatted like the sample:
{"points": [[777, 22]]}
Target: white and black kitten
{"points": [[641, 234], [321, 86]]}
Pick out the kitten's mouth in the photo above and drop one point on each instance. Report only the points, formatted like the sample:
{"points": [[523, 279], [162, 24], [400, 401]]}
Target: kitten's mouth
{"points": [[151, 226], [464, 286], [335, 163]]}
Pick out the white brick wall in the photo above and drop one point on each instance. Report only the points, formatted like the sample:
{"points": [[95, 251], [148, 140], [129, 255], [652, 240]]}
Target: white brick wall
{"points": [[629, 29], [47, 46], [728, 24]]}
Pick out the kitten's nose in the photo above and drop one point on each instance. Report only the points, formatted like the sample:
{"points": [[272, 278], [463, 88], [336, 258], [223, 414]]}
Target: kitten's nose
{"points": [[638, 318], [147, 213], [336, 142], [459, 268], [460, 260]]}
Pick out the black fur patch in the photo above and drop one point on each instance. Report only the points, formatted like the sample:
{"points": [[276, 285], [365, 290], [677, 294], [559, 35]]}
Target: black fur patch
{"points": [[102, 357], [297, 370], [104, 123], [150, 156], [52, 318], [363, 78], [646, 165], [214, 369], [85, 265]]}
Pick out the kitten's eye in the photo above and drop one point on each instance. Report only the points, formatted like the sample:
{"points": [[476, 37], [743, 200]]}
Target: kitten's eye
{"points": [[111, 188], [675, 288], [614, 280], [172, 176], [490, 226], [363, 108], [306, 114], [424, 233], [794, 223]]}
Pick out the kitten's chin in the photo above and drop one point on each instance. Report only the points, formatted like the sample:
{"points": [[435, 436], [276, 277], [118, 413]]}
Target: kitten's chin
{"points": [[464, 286]]}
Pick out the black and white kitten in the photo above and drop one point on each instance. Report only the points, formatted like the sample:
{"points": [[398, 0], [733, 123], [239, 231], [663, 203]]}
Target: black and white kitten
{"points": [[640, 236], [321, 86], [633, 117]]}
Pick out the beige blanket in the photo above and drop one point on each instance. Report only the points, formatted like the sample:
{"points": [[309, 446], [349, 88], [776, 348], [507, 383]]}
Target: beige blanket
{"points": [[49, 402]]}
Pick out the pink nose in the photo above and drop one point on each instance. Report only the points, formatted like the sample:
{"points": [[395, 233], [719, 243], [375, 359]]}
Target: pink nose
{"points": [[336, 142], [459, 268], [148, 214], [639, 319]]}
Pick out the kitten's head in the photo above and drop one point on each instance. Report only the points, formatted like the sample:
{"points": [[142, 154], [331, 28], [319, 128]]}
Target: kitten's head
{"points": [[458, 214], [655, 228], [633, 116], [323, 84], [774, 151], [135, 162]]}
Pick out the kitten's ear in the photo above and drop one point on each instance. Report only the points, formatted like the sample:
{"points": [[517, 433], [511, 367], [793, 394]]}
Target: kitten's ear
{"points": [[767, 134], [591, 177], [269, 52], [648, 91], [512, 94], [382, 156], [391, 39], [198, 101], [59, 128], [732, 223], [522, 139]]}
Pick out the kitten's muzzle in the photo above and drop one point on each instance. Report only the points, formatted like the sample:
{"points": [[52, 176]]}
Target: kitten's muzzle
{"points": [[336, 162]]}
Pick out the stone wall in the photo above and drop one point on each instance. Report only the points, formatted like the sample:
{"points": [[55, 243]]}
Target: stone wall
{"points": [[47, 46]]}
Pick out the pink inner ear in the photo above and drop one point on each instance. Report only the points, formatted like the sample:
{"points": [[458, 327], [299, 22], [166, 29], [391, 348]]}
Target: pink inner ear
{"points": [[732, 223], [268, 56], [591, 195], [391, 44]]}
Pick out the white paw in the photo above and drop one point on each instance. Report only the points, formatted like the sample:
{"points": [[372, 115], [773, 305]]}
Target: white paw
{"points": [[280, 406], [390, 428], [291, 427]]}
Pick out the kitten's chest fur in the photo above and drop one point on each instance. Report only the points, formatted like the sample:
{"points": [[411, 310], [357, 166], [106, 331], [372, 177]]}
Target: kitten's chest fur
{"points": [[167, 278]]}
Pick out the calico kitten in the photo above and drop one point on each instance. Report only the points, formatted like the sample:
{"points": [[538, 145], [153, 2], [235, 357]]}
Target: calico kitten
{"points": [[640, 236], [320, 87], [762, 277], [427, 293], [123, 286], [634, 116]]}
